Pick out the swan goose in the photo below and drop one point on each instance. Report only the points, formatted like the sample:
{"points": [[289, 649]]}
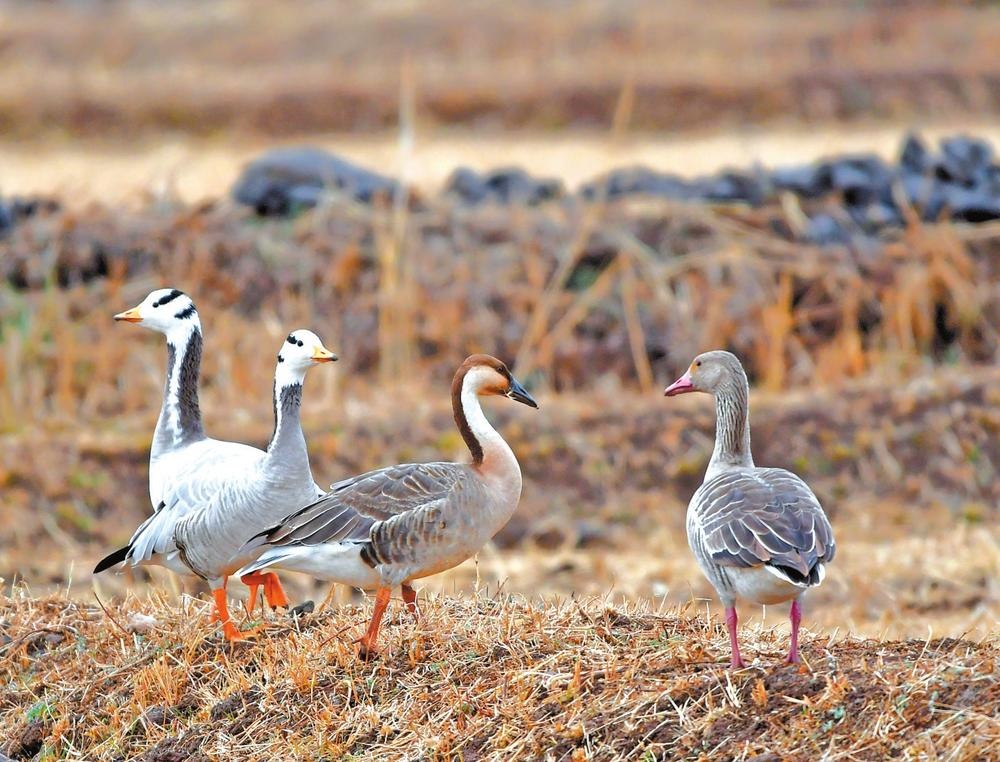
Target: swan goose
{"points": [[758, 534], [394, 525]]}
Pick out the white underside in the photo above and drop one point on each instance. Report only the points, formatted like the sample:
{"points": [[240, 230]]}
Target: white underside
{"points": [[339, 562], [763, 584]]}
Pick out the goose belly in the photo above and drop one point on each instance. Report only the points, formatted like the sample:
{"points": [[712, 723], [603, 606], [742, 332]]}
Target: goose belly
{"points": [[749, 583], [444, 542], [212, 538], [757, 585], [333, 562]]}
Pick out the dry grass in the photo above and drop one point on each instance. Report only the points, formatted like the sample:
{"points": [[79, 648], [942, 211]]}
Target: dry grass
{"points": [[250, 66], [483, 677], [574, 292]]}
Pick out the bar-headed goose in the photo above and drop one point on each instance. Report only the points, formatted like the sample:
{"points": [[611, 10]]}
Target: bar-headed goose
{"points": [[219, 509], [179, 442], [758, 534], [391, 526], [188, 470]]}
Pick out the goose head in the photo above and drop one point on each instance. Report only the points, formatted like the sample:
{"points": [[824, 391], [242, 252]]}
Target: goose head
{"points": [[300, 351], [708, 372], [165, 310], [488, 376]]}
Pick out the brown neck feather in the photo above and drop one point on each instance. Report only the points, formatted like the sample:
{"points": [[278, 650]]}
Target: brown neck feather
{"points": [[460, 420]]}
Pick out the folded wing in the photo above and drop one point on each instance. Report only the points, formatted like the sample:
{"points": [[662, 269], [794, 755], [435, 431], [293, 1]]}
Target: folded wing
{"points": [[765, 516]]}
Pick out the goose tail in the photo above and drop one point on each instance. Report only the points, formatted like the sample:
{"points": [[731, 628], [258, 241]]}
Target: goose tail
{"points": [[112, 559]]}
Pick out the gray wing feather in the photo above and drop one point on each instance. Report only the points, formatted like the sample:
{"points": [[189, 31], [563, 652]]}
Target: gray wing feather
{"points": [[193, 488], [352, 507], [767, 515]]}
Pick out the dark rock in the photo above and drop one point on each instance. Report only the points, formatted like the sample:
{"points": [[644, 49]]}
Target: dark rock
{"points": [[925, 194], [27, 740], [808, 181], [914, 156], [634, 181], [467, 185], [963, 160], [862, 179], [306, 607], [177, 749], [17, 209], [971, 205], [733, 186], [156, 715], [510, 185], [826, 229], [286, 179], [234, 704], [876, 216], [590, 534]]}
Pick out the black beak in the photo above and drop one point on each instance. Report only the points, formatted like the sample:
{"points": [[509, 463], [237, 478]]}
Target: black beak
{"points": [[519, 394]]}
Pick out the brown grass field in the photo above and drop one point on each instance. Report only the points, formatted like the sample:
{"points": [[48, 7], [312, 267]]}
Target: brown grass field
{"points": [[585, 630]]}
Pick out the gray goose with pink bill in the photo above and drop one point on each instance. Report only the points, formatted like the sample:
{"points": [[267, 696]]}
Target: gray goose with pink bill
{"points": [[758, 534]]}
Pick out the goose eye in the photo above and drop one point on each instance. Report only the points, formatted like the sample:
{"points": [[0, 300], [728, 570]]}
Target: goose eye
{"points": [[156, 304], [697, 363], [299, 343]]}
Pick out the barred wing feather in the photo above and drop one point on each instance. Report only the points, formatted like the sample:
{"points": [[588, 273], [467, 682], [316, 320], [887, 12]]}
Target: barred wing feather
{"points": [[763, 516]]}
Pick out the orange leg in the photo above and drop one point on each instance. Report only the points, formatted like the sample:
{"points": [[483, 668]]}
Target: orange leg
{"points": [[229, 629], [274, 593], [367, 640], [410, 599], [252, 599]]}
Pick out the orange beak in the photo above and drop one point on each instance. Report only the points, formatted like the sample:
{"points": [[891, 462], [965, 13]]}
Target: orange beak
{"points": [[322, 354], [130, 316]]}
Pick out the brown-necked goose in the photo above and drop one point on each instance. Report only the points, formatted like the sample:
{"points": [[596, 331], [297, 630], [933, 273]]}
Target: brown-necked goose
{"points": [[758, 534], [394, 525]]}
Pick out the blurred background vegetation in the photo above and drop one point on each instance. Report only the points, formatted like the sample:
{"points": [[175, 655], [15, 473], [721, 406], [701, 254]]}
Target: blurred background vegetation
{"points": [[124, 126]]}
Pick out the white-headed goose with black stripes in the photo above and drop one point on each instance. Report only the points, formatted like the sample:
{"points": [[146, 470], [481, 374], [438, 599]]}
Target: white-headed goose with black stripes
{"points": [[389, 527], [209, 495], [758, 534]]}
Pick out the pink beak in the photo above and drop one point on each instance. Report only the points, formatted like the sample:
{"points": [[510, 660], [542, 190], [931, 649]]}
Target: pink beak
{"points": [[682, 385]]}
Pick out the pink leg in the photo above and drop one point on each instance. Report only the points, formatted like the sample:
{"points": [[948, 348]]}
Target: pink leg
{"points": [[731, 619], [794, 616]]}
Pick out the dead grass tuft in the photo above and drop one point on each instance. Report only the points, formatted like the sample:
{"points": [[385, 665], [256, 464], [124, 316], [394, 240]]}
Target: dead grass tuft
{"points": [[486, 677]]}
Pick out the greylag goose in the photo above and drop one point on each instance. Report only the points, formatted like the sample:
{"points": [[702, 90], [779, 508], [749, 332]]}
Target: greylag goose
{"points": [[397, 524], [758, 534]]}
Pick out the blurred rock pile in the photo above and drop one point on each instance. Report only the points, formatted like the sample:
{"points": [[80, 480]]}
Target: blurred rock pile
{"points": [[840, 200]]}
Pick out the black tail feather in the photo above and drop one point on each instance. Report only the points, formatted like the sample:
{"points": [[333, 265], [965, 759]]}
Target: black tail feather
{"points": [[112, 560], [798, 577]]}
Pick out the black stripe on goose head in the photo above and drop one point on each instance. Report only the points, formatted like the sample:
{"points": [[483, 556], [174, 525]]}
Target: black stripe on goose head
{"points": [[185, 313], [174, 293]]}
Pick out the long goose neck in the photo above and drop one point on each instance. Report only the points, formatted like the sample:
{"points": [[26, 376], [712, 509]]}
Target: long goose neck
{"points": [[180, 416], [489, 450], [288, 443], [732, 425]]}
